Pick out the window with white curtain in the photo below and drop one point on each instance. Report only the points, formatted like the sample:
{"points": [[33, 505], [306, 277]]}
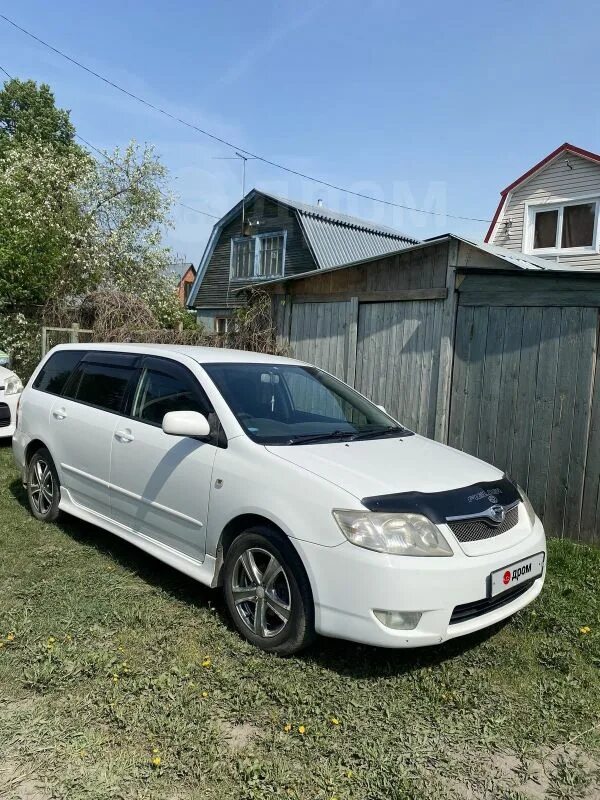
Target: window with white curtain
{"points": [[256, 257]]}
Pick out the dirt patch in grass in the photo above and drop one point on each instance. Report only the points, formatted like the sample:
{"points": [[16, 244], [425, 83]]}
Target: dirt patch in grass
{"points": [[19, 783], [240, 736]]}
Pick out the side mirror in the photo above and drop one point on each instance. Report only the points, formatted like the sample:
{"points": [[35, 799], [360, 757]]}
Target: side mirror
{"points": [[186, 423], [381, 408]]}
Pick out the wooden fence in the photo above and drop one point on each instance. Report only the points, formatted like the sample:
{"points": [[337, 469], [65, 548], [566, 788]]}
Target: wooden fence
{"points": [[523, 388]]}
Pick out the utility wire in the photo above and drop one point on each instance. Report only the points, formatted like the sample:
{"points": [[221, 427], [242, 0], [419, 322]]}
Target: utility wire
{"points": [[216, 138], [112, 161]]}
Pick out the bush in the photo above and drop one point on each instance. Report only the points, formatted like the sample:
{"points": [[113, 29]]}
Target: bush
{"points": [[21, 338]]}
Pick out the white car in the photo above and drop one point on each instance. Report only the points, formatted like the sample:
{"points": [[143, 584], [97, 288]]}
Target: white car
{"points": [[313, 508], [10, 391]]}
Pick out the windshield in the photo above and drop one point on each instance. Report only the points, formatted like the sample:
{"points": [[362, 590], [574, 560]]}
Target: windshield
{"points": [[293, 404]]}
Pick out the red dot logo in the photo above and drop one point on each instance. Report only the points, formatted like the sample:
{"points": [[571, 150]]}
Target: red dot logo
{"points": [[506, 577]]}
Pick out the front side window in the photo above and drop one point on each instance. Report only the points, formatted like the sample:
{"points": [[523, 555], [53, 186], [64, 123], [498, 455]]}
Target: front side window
{"points": [[565, 227], [261, 256], [163, 389], [281, 404]]}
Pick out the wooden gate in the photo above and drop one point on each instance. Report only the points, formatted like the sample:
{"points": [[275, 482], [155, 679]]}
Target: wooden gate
{"points": [[397, 359], [522, 385], [388, 351]]}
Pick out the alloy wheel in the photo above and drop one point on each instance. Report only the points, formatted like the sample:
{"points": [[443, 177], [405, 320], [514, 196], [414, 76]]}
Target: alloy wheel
{"points": [[261, 592], [41, 487]]}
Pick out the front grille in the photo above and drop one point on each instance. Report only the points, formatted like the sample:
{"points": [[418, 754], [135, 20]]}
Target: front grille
{"points": [[476, 609], [4, 415], [472, 530]]}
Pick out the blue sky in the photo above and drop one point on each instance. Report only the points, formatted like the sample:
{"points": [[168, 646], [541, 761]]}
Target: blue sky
{"points": [[428, 104]]}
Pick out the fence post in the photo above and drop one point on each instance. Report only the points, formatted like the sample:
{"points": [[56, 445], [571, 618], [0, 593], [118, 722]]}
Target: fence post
{"points": [[446, 364], [74, 335], [352, 342], [44, 343]]}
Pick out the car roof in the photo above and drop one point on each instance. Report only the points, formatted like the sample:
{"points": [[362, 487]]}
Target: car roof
{"points": [[203, 355]]}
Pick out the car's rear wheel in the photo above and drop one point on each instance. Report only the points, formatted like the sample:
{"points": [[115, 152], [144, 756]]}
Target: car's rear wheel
{"points": [[267, 591], [43, 486]]}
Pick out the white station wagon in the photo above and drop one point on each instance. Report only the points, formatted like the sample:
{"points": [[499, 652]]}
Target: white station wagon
{"points": [[313, 508]]}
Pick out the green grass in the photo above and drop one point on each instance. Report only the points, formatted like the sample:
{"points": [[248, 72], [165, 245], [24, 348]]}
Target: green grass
{"points": [[510, 713]]}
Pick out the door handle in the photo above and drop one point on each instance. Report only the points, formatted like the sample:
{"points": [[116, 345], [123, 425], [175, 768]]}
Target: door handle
{"points": [[59, 413], [124, 436]]}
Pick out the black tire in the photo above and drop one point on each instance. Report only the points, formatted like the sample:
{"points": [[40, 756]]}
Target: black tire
{"points": [[286, 591], [43, 486]]}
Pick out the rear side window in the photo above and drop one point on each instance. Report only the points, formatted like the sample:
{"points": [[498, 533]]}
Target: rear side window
{"points": [[53, 376], [100, 385]]}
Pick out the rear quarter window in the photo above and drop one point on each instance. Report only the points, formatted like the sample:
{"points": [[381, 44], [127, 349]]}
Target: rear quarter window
{"points": [[53, 376]]}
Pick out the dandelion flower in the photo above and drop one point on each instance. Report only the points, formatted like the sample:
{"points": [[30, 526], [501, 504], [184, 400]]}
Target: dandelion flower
{"points": [[206, 662], [585, 629], [155, 750], [51, 640], [287, 728], [156, 761], [301, 730], [115, 679], [335, 721], [10, 637], [204, 694]]}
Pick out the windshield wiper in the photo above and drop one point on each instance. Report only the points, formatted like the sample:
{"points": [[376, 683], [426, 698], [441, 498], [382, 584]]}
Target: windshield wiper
{"points": [[391, 429], [307, 438]]}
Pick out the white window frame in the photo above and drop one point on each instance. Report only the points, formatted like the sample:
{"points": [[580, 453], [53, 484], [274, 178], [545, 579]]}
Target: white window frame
{"points": [[531, 209], [257, 253], [228, 324]]}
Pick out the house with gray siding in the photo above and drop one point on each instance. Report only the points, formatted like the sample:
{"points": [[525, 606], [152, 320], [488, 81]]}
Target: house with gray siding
{"points": [[553, 210], [265, 237]]}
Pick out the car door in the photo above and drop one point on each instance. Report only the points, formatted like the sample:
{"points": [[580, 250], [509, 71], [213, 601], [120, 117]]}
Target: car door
{"points": [[82, 422], [160, 484]]}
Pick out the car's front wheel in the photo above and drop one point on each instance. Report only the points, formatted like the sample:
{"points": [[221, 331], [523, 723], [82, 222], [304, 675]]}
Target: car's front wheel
{"points": [[43, 487], [267, 591]]}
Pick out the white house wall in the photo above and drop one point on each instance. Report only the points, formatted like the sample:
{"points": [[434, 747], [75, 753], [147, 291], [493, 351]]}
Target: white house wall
{"points": [[552, 183]]}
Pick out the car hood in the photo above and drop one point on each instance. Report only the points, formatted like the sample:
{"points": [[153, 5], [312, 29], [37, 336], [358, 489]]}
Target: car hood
{"points": [[387, 466]]}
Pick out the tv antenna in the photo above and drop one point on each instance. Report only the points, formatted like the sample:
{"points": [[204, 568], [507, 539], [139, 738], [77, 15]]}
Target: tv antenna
{"points": [[243, 159]]}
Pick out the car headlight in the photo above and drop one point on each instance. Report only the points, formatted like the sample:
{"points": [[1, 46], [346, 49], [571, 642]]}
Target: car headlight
{"points": [[528, 507], [13, 385], [396, 534]]}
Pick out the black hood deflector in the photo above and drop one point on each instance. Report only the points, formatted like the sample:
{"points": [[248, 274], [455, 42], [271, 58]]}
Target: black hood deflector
{"points": [[438, 506]]}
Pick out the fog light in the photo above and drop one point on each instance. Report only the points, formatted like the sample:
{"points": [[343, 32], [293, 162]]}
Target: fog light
{"points": [[399, 620]]}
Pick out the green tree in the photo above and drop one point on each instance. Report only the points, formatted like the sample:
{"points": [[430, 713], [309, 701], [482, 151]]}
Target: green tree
{"points": [[71, 224], [29, 114]]}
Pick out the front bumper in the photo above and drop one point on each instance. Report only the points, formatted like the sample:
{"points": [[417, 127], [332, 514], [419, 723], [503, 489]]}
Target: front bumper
{"points": [[8, 413], [348, 582]]}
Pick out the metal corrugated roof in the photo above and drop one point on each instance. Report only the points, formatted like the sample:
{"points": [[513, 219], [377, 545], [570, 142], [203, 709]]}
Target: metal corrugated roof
{"points": [[333, 243], [337, 238], [516, 257]]}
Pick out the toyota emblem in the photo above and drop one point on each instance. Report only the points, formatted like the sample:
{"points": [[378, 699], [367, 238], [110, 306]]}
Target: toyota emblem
{"points": [[497, 514]]}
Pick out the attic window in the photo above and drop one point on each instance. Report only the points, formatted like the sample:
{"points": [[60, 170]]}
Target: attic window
{"points": [[258, 257], [564, 227]]}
